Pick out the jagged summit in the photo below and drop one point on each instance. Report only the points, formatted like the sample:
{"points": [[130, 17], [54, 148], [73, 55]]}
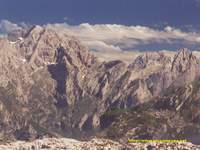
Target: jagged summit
{"points": [[184, 54], [184, 51], [40, 46], [185, 62], [148, 59], [182, 59]]}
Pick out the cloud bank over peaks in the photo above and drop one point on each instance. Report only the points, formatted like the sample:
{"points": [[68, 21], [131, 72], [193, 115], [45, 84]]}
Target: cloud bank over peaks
{"points": [[120, 37], [7, 26], [112, 40]]}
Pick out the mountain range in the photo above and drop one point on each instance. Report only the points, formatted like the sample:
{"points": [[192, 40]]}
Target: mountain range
{"points": [[53, 86]]}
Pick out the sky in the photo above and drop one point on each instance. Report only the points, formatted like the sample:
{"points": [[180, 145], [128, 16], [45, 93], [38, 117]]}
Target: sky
{"points": [[176, 13], [111, 25]]}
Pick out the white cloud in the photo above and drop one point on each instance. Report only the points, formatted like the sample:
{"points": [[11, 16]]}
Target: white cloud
{"points": [[7, 26], [107, 38], [115, 39], [126, 36], [114, 36]]}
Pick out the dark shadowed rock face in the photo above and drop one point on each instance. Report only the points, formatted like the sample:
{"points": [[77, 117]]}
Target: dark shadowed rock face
{"points": [[51, 85]]}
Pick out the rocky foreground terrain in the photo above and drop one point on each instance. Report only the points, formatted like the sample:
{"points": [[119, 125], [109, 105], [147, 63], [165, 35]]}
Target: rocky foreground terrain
{"points": [[94, 144], [52, 86]]}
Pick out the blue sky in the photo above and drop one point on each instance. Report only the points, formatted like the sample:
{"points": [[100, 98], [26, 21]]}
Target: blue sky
{"points": [[177, 13], [112, 25]]}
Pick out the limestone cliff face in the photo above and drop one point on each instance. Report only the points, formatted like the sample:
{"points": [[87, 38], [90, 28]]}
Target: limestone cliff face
{"points": [[51, 84]]}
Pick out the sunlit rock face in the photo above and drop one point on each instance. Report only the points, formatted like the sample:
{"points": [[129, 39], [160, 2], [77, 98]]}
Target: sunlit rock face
{"points": [[50, 85]]}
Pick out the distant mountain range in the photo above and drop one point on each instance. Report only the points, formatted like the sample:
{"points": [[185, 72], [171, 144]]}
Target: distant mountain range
{"points": [[52, 86]]}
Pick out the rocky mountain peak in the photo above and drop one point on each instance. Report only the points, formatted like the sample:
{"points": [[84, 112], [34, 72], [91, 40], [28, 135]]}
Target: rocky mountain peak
{"points": [[183, 60], [184, 56], [148, 59], [41, 46], [184, 52], [51, 84]]}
